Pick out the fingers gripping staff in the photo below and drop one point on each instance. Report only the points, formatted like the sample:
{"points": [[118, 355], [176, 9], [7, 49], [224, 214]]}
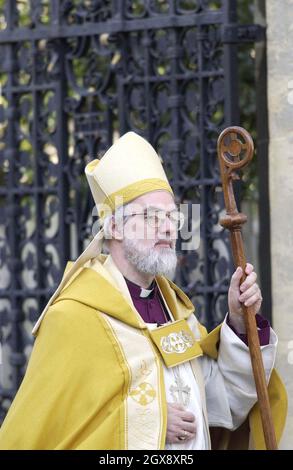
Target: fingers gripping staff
{"points": [[235, 150]]}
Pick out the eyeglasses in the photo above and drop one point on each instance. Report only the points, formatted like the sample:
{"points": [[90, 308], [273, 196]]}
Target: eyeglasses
{"points": [[156, 218]]}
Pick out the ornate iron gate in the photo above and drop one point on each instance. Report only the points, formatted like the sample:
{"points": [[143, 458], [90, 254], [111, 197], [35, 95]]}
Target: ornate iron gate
{"points": [[73, 75]]}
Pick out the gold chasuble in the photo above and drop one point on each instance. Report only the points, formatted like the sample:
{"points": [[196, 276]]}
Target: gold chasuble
{"points": [[95, 377]]}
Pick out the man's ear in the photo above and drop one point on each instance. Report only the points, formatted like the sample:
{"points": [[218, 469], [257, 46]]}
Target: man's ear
{"points": [[116, 230]]}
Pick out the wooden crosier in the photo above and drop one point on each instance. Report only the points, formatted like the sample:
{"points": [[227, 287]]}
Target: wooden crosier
{"points": [[235, 150]]}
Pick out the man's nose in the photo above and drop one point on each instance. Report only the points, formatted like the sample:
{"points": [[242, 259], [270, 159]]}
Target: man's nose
{"points": [[167, 227]]}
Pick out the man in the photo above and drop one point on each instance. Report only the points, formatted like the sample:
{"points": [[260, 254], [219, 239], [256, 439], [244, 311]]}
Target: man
{"points": [[120, 361]]}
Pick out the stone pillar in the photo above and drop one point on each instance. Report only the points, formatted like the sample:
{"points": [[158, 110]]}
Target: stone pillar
{"points": [[280, 107]]}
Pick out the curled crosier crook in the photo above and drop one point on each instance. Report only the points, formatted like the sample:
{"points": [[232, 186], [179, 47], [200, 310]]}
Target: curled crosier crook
{"points": [[230, 148]]}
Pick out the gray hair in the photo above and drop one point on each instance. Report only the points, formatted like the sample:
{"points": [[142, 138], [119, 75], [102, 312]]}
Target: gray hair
{"points": [[118, 216]]}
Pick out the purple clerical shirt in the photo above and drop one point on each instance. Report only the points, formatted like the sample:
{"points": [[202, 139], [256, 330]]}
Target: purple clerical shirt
{"points": [[151, 308]]}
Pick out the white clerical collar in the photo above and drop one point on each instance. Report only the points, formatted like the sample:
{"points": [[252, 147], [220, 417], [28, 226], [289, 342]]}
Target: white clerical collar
{"points": [[137, 291], [145, 292]]}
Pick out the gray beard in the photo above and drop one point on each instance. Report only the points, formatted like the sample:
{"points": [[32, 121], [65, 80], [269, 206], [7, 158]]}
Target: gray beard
{"points": [[155, 262]]}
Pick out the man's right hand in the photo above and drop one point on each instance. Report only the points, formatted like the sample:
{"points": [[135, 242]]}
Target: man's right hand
{"points": [[180, 423]]}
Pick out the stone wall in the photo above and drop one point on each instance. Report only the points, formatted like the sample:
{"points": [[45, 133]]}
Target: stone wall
{"points": [[280, 106]]}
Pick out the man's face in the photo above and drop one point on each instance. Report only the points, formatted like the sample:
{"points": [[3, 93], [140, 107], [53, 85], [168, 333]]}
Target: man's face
{"points": [[149, 220], [150, 233]]}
